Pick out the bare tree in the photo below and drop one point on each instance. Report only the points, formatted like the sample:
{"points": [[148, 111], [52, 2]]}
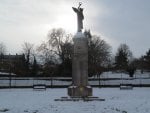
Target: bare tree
{"points": [[56, 39], [99, 55], [46, 53], [2, 48], [28, 52], [57, 46], [57, 50]]}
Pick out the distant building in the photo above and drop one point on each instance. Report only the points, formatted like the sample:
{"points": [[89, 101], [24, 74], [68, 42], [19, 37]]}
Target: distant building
{"points": [[11, 62]]}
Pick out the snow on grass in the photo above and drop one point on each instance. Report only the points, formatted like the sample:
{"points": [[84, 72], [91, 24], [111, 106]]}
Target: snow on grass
{"points": [[116, 101]]}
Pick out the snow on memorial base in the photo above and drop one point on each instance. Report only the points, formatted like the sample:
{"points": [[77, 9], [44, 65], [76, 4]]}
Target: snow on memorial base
{"points": [[80, 91]]}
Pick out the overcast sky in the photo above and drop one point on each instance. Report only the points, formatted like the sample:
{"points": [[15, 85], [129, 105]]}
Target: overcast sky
{"points": [[116, 21]]}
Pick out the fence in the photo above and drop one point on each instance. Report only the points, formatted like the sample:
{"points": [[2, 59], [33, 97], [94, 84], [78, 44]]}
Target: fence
{"points": [[27, 82]]}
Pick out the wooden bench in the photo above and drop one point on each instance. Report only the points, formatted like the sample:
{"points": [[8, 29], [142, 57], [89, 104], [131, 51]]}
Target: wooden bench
{"points": [[126, 86], [39, 87]]}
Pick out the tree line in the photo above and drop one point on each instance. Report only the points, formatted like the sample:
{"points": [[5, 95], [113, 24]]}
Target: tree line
{"points": [[53, 57]]}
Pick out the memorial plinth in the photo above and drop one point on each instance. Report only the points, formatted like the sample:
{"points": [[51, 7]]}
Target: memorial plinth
{"points": [[80, 86]]}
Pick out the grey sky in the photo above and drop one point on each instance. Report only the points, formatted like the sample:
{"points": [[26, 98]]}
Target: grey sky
{"points": [[117, 21]]}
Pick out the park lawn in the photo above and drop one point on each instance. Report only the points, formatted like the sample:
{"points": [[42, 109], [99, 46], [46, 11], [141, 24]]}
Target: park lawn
{"points": [[116, 101]]}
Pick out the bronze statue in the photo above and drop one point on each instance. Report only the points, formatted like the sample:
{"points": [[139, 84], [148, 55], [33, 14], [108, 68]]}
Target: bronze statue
{"points": [[80, 17]]}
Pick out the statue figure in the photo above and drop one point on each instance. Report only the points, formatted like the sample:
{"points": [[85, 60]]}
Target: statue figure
{"points": [[80, 17]]}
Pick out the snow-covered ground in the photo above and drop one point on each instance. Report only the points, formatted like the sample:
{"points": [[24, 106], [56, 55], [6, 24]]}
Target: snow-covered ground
{"points": [[137, 74], [5, 73], [116, 101]]}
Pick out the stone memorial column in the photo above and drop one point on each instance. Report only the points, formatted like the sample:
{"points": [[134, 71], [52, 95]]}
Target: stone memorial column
{"points": [[80, 86]]}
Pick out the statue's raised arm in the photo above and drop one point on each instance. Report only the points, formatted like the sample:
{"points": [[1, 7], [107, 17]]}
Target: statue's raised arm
{"points": [[80, 17]]}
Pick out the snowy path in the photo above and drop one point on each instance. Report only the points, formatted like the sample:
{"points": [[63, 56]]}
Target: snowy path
{"points": [[117, 101]]}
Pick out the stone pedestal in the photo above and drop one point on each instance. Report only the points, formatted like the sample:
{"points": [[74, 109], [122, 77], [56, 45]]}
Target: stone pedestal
{"points": [[80, 86]]}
